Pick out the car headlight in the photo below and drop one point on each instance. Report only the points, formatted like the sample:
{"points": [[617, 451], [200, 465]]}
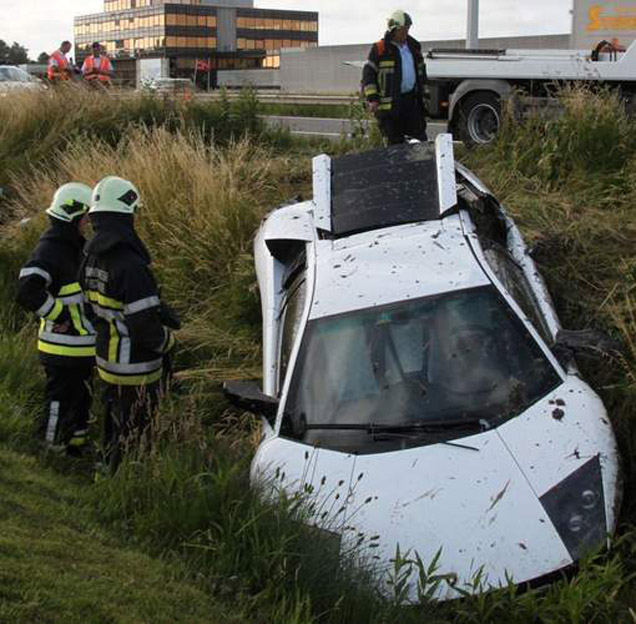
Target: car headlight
{"points": [[576, 507]]}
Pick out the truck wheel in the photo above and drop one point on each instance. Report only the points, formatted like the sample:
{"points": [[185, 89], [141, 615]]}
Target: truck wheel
{"points": [[479, 118]]}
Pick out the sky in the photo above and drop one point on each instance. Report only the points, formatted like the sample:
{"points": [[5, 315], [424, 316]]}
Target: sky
{"points": [[40, 25]]}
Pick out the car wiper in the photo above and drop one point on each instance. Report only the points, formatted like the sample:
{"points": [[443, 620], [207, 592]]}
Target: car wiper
{"points": [[480, 424], [419, 435], [476, 422], [339, 426], [403, 430]]}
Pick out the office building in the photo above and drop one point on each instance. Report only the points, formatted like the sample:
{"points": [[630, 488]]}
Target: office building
{"points": [[215, 34]]}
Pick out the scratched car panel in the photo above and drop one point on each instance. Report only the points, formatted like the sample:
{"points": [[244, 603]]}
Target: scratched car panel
{"points": [[409, 359]]}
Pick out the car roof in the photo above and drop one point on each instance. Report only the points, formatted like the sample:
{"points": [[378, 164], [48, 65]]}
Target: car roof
{"points": [[393, 264], [405, 183]]}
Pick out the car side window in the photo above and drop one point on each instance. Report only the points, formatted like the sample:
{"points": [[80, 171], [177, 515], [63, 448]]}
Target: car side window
{"points": [[514, 281], [291, 315]]}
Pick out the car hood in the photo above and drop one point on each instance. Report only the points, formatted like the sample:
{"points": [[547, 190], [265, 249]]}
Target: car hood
{"points": [[480, 508]]}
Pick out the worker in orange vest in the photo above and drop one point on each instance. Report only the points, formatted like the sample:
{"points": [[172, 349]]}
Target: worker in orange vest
{"points": [[97, 68], [59, 67]]}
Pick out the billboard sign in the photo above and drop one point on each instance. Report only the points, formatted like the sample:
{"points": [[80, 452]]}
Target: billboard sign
{"points": [[596, 20]]}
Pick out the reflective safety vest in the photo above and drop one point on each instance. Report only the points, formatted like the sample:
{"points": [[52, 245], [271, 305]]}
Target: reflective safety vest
{"points": [[93, 72], [58, 67]]}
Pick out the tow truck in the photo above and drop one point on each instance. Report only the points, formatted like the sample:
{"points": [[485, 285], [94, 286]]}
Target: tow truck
{"points": [[468, 86]]}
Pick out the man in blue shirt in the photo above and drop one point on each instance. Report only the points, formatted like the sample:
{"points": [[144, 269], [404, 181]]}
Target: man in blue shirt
{"points": [[393, 80]]}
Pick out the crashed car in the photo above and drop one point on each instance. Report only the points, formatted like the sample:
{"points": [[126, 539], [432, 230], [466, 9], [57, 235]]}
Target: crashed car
{"points": [[416, 380]]}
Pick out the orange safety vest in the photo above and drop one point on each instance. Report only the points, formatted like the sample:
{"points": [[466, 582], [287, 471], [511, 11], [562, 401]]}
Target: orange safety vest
{"points": [[91, 73], [59, 71]]}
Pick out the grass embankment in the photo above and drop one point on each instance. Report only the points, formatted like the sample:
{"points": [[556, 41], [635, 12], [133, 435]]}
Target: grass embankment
{"points": [[56, 565], [188, 500]]}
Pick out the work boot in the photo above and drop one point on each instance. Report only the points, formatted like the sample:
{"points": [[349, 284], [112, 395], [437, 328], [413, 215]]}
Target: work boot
{"points": [[79, 444]]}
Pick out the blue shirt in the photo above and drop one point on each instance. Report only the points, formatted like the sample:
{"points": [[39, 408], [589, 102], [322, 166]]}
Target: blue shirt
{"points": [[408, 69]]}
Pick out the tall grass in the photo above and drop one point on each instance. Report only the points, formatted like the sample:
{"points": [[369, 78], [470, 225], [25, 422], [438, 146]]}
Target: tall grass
{"points": [[592, 137], [188, 495], [201, 206], [36, 127]]}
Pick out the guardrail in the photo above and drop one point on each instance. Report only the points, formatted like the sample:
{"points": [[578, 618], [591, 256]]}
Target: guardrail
{"points": [[263, 96], [283, 98]]}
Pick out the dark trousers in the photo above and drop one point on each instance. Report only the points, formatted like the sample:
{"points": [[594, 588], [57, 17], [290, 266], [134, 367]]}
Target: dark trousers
{"points": [[68, 398], [129, 414], [405, 119]]}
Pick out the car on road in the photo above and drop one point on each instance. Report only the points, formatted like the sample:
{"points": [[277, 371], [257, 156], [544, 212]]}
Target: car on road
{"points": [[417, 382], [12, 78]]}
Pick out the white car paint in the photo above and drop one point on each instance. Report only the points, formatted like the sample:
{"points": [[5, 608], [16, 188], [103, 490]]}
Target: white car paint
{"points": [[13, 78], [477, 497]]}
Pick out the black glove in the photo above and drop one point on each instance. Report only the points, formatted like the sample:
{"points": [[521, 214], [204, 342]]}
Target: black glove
{"points": [[169, 316]]}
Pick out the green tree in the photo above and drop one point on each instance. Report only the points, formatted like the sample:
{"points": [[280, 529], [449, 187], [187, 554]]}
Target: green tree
{"points": [[14, 54]]}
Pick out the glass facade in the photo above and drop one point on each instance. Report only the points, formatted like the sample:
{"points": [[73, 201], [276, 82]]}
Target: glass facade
{"points": [[122, 5], [272, 30], [188, 29]]}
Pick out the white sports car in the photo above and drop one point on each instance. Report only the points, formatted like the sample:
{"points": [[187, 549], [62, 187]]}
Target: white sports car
{"points": [[416, 380]]}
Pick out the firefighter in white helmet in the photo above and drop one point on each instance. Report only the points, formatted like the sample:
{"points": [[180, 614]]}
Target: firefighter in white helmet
{"points": [[393, 80], [48, 286], [132, 332]]}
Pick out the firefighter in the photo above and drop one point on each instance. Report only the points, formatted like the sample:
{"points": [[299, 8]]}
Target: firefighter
{"points": [[132, 337], [59, 67], [97, 68], [48, 286], [393, 82]]}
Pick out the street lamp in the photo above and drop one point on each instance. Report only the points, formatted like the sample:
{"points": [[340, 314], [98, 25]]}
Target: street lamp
{"points": [[472, 34]]}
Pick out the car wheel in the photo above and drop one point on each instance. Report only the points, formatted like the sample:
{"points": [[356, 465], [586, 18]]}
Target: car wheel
{"points": [[479, 118]]}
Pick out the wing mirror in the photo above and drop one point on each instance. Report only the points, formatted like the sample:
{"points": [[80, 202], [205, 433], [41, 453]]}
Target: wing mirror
{"points": [[247, 395], [586, 343]]}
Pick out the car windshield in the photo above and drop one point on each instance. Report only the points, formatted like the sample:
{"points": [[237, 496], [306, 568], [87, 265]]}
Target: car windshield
{"points": [[13, 74], [461, 357]]}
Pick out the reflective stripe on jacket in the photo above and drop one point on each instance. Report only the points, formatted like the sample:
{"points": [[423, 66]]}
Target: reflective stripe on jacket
{"points": [[382, 73], [58, 67], [48, 287], [117, 281], [92, 73]]}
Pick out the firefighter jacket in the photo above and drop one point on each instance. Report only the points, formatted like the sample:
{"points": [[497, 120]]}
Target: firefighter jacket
{"points": [[382, 73], [117, 281], [49, 287]]}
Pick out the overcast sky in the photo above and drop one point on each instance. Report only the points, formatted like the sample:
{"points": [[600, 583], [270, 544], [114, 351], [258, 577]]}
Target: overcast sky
{"points": [[40, 25]]}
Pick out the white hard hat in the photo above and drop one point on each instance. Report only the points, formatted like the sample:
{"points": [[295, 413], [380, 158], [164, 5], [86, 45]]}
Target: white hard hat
{"points": [[399, 19], [70, 201], [113, 194]]}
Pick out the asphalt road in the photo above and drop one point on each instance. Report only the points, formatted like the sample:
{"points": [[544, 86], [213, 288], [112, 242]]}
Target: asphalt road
{"points": [[331, 128]]}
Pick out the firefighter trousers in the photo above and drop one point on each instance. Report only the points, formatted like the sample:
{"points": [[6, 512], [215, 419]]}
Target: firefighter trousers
{"points": [[129, 415], [68, 397], [407, 119]]}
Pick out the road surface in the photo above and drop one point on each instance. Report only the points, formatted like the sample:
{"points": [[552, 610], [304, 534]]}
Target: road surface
{"points": [[330, 128]]}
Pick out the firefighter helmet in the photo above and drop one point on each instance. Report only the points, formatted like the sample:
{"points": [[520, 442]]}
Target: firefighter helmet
{"points": [[399, 19], [113, 194], [70, 201]]}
